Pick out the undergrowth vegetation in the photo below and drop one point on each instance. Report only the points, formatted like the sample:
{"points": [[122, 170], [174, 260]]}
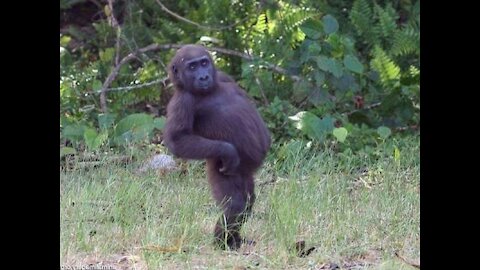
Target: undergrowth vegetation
{"points": [[326, 72], [337, 83]]}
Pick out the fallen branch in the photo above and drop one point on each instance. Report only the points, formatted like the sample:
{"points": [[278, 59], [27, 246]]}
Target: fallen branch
{"points": [[267, 182], [416, 265]]}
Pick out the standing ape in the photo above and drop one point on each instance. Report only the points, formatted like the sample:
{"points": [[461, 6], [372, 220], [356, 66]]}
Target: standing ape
{"points": [[210, 117]]}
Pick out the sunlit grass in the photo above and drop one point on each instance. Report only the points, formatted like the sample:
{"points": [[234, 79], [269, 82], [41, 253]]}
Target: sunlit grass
{"points": [[354, 210]]}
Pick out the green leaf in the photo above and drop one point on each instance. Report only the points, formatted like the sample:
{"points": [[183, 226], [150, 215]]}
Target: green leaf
{"points": [[326, 124], [125, 69], [159, 123], [312, 126], [386, 67], [318, 96], [67, 151], [387, 18], [254, 91], [301, 90], [309, 49], [314, 48], [100, 140], [74, 132], [65, 90], [312, 28], [107, 54], [261, 24], [105, 120], [132, 122], [89, 136], [384, 132], [97, 85], [134, 127], [323, 63], [319, 77], [344, 83], [396, 154], [348, 44], [64, 40], [362, 18], [330, 65], [340, 134], [330, 24], [107, 10], [351, 62]]}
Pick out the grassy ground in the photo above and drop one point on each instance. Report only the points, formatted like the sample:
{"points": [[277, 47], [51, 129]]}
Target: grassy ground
{"points": [[358, 212]]}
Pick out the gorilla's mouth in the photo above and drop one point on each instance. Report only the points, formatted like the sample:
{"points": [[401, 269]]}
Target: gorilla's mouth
{"points": [[204, 85]]}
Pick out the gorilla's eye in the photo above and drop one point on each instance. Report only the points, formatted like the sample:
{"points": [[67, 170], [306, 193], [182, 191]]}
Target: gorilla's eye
{"points": [[204, 62], [192, 66]]}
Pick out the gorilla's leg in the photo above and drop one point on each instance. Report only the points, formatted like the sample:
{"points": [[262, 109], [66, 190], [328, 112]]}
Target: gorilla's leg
{"points": [[235, 194]]}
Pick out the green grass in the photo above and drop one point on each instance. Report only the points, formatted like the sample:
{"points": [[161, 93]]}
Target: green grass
{"points": [[355, 209]]}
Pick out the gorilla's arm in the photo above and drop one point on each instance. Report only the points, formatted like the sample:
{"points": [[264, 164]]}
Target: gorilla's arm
{"points": [[181, 141]]}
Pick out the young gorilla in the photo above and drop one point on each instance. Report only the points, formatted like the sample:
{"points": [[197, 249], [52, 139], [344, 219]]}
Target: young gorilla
{"points": [[210, 117]]}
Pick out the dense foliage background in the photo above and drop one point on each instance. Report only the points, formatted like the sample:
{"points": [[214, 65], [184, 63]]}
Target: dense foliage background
{"points": [[340, 74]]}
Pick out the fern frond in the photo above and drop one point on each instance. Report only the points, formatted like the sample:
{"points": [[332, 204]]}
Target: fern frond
{"points": [[414, 71], [295, 17], [360, 14], [414, 19], [387, 18], [291, 19], [262, 22], [406, 41], [415, 13], [386, 67], [361, 17]]}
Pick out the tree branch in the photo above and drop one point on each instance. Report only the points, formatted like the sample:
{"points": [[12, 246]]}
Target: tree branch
{"points": [[130, 56], [114, 23], [156, 47], [369, 107], [132, 87]]}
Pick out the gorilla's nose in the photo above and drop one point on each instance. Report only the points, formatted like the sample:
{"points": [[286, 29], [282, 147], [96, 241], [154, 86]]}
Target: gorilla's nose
{"points": [[204, 77]]}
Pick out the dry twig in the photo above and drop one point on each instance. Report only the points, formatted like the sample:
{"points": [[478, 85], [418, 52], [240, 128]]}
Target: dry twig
{"points": [[416, 265]]}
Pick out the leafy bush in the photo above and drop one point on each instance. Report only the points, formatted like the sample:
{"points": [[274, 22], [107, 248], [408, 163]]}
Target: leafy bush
{"points": [[331, 73], [133, 128]]}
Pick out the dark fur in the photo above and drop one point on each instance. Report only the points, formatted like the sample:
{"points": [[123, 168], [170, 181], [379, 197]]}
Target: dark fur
{"points": [[219, 124]]}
